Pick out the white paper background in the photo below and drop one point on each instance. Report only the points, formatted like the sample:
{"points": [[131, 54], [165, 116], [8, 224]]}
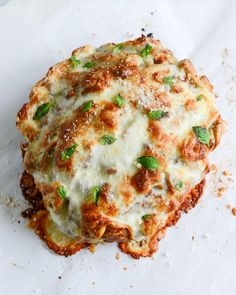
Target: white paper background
{"points": [[37, 34]]}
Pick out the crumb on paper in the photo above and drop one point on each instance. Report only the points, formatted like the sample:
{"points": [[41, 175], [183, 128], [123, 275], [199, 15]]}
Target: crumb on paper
{"points": [[117, 256], [213, 168], [220, 191], [131, 286], [234, 211], [205, 236], [228, 206], [226, 173], [59, 277], [9, 201], [124, 268], [93, 283], [193, 238]]}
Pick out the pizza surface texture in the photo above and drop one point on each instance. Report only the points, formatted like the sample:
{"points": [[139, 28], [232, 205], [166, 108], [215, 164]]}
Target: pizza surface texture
{"points": [[117, 144]]}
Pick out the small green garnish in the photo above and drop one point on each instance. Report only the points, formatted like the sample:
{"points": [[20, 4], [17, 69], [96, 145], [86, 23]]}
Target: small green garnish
{"points": [[157, 115], [199, 97], [42, 110], [67, 153], [179, 185], [61, 192], [87, 106], [146, 50], [117, 47], [95, 192], [119, 100], [149, 162], [74, 62], [168, 81], [89, 64], [146, 216], [202, 133], [107, 139]]}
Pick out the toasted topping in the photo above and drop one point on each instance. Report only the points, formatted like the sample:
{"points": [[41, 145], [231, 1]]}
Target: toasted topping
{"points": [[67, 153], [157, 115], [107, 139], [202, 134], [42, 110], [149, 162]]}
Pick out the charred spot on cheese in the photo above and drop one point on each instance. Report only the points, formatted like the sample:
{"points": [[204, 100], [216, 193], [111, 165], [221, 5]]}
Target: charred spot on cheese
{"points": [[123, 151]]}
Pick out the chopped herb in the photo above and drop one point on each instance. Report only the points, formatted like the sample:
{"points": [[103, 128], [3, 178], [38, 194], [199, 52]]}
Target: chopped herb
{"points": [[42, 110], [146, 216], [95, 191], [157, 115], [199, 97], [168, 80], [74, 62], [149, 162], [146, 50], [107, 139], [87, 106], [89, 64], [202, 133], [67, 153], [117, 47], [119, 100], [179, 185], [61, 192]]}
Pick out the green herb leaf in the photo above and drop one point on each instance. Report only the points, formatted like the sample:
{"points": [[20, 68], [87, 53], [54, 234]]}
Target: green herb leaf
{"points": [[146, 216], [74, 62], [199, 97], [179, 185], [157, 115], [107, 139], [117, 48], [168, 81], [202, 133], [146, 50], [149, 162], [119, 100], [42, 110], [67, 153], [61, 192], [87, 106], [95, 191], [89, 64]]}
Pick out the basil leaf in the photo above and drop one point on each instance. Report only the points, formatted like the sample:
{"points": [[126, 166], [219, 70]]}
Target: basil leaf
{"points": [[149, 162], [67, 153], [107, 139], [146, 216], [117, 48], [42, 110], [95, 191], [168, 81], [74, 62], [61, 192], [157, 115], [119, 100], [146, 50], [202, 133], [199, 97], [89, 64], [87, 106], [179, 185]]}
